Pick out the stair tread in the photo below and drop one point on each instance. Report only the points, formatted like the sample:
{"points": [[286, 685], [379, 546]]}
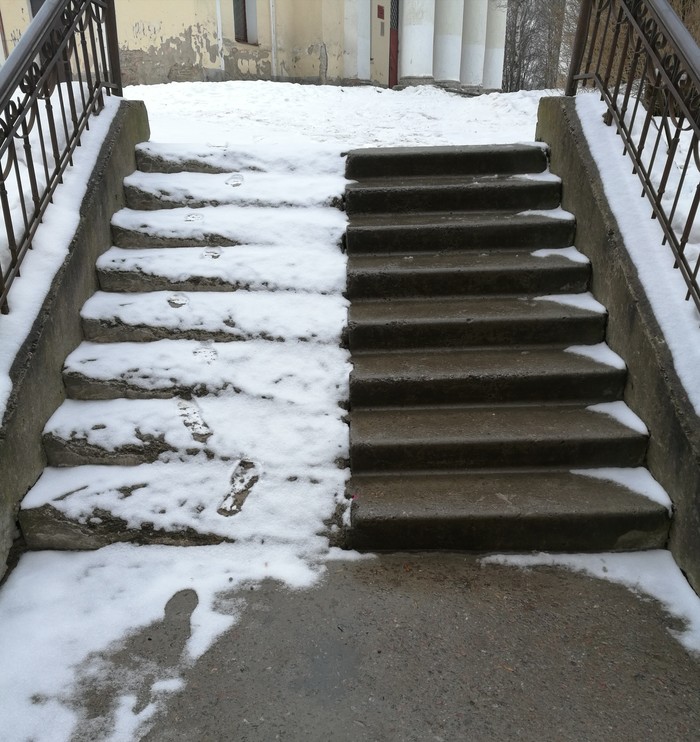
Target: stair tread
{"points": [[249, 267], [160, 190], [502, 493], [402, 182], [213, 315], [440, 363], [435, 262], [458, 218], [470, 308], [465, 424], [191, 367], [556, 510]]}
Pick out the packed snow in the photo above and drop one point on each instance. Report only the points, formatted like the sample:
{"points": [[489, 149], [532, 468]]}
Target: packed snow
{"points": [[276, 405]]}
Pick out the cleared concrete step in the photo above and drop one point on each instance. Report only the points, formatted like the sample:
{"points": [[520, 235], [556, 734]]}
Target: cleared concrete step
{"points": [[222, 316], [482, 376], [504, 511], [149, 191], [469, 160], [451, 193], [472, 321], [439, 231], [395, 439], [467, 272]]}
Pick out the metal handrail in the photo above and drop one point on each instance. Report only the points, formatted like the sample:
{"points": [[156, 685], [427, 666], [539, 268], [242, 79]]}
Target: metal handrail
{"points": [[646, 66], [51, 84]]}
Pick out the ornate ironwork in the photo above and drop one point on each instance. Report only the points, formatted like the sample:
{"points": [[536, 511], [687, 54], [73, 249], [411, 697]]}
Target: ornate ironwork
{"points": [[646, 66], [50, 86]]}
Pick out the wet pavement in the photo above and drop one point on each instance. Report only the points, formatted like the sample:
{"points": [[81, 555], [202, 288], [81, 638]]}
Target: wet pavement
{"points": [[424, 647]]}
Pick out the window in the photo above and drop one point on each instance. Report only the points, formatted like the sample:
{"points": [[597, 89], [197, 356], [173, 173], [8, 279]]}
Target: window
{"points": [[245, 21]]}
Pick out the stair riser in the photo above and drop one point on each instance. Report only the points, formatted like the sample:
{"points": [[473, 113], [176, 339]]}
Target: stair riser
{"points": [[523, 196], [130, 238], [414, 239], [606, 386], [77, 453], [134, 282], [436, 334], [81, 387], [145, 201], [401, 456], [101, 332], [147, 163], [518, 533], [375, 285], [477, 161]]}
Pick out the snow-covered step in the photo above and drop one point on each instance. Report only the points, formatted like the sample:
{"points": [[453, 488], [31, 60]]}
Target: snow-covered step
{"points": [[133, 431], [181, 503], [313, 268], [292, 372], [311, 158], [239, 315], [170, 190], [228, 225]]}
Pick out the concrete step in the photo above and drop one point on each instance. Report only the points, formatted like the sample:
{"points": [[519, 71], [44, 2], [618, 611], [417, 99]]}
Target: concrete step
{"points": [[191, 368], [150, 191], [483, 376], [469, 160], [227, 225], [467, 272], [440, 231], [525, 510], [248, 268], [222, 316], [452, 193], [472, 321], [458, 437]]}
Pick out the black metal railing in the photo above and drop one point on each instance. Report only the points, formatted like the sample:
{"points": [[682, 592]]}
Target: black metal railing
{"points": [[50, 86], [646, 66]]}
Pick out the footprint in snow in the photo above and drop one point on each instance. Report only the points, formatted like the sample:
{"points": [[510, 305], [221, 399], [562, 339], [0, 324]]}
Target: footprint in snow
{"points": [[178, 300]]}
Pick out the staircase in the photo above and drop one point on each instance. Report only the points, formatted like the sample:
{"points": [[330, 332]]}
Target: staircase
{"points": [[486, 410], [188, 399]]}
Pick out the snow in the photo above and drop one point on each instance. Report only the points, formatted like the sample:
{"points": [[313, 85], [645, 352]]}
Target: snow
{"points": [[601, 353], [621, 412], [50, 248], [638, 479], [584, 301], [570, 253], [663, 285], [652, 573], [276, 405]]}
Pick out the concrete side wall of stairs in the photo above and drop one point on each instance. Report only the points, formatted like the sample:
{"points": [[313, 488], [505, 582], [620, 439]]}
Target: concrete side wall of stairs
{"points": [[653, 390], [36, 375]]}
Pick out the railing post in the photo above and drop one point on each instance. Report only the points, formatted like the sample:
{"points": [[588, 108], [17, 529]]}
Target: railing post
{"points": [[579, 47], [113, 48]]}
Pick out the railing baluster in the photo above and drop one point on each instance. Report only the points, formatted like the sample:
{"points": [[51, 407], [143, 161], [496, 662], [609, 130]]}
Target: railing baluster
{"points": [[39, 105]]}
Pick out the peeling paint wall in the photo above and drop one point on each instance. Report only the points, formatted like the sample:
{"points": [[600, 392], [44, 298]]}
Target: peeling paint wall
{"points": [[15, 16], [165, 40]]}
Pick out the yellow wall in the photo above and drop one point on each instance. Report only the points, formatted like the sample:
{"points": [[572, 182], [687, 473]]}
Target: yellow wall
{"points": [[16, 16]]}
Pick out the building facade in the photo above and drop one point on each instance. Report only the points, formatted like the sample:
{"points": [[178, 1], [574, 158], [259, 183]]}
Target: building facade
{"points": [[456, 43]]}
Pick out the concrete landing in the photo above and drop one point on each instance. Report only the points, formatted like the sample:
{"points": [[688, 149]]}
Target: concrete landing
{"points": [[426, 647]]}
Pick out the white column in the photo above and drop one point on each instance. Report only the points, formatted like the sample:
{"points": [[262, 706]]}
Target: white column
{"points": [[356, 28], [495, 46], [416, 21], [473, 42], [447, 41]]}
